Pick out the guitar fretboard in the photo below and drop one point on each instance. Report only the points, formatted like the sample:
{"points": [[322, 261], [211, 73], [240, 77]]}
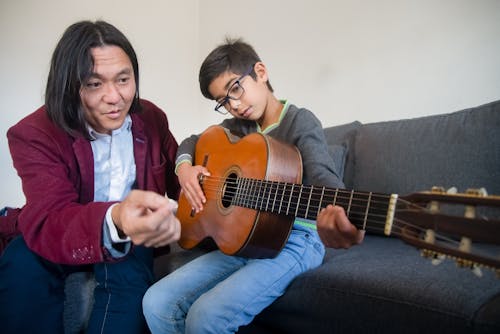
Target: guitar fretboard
{"points": [[367, 210]]}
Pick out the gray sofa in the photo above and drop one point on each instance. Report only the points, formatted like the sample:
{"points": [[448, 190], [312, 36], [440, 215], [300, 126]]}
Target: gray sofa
{"points": [[384, 285]]}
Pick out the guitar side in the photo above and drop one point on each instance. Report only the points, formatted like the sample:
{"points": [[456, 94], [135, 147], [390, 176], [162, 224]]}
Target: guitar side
{"points": [[238, 230]]}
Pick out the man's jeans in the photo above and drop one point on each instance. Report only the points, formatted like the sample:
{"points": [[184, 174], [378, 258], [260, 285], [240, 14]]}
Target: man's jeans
{"points": [[32, 292]]}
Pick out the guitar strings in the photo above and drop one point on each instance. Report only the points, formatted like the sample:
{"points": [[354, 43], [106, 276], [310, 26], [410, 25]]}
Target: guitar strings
{"points": [[214, 186], [377, 221], [357, 207]]}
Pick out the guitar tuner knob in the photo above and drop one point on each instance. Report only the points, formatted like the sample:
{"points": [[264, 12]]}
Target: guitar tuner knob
{"points": [[476, 192], [452, 191], [477, 271], [438, 190], [435, 257], [462, 263]]}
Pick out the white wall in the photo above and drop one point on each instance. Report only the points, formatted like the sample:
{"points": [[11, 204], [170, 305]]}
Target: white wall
{"points": [[345, 60]]}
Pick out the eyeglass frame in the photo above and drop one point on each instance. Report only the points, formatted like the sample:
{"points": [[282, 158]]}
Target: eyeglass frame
{"points": [[222, 102]]}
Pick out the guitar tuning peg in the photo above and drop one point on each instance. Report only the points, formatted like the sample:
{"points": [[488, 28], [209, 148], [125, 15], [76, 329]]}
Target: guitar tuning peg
{"points": [[462, 263], [477, 191], [433, 206], [436, 258], [452, 191], [437, 189], [476, 270]]}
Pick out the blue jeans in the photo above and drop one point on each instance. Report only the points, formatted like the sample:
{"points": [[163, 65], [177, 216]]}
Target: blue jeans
{"points": [[32, 292], [216, 293]]}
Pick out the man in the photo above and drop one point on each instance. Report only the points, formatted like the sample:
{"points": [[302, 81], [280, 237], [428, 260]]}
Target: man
{"points": [[95, 162]]}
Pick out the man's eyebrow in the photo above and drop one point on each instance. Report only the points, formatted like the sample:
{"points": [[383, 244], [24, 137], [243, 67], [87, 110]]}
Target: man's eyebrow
{"points": [[127, 71]]}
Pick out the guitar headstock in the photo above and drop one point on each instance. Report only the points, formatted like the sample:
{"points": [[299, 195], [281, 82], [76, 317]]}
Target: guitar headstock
{"points": [[448, 224]]}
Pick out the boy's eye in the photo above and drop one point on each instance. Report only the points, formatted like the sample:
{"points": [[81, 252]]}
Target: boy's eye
{"points": [[235, 90]]}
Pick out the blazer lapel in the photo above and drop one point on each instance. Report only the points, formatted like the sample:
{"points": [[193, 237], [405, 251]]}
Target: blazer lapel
{"points": [[140, 150], [85, 159]]}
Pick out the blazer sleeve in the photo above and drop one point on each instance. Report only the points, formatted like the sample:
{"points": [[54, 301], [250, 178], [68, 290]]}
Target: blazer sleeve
{"points": [[57, 222]]}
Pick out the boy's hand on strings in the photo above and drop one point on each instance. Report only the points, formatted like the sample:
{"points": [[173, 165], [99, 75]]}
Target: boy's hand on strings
{"points": [[335, 229], [189, 179]]}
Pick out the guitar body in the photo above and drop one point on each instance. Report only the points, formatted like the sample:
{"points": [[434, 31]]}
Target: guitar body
{"points": [[239, 230]]}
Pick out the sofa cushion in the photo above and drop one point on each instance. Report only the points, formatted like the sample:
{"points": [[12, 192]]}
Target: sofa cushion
{"points": [[342, 136], [460, 149], [388, 285]]}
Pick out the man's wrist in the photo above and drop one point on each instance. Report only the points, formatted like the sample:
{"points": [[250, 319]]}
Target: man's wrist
{"points": [[117, 235]]}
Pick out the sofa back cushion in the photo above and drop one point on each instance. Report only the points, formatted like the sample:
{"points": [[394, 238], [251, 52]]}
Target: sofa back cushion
{"points": [[340, 138], [460, 149]]}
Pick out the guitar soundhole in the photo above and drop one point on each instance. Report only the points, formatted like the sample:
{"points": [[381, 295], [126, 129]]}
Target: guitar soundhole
{"points": [[229, 190]]}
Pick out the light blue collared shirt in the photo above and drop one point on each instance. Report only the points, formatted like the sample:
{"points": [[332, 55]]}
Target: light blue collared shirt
{"points": [[114, 176]]}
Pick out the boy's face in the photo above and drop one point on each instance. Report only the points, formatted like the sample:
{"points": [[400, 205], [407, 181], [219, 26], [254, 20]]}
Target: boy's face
{"points": [[107, 95], [253, 94]]}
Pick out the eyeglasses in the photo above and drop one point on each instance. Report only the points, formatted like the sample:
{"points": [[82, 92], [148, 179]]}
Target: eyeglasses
{"points": [[235, 92]]}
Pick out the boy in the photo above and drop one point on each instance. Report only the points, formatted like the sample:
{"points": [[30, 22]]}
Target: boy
{"points": [[217, 293]]}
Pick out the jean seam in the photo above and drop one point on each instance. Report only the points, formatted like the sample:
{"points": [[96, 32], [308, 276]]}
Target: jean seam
{"points": [[109, 298]]}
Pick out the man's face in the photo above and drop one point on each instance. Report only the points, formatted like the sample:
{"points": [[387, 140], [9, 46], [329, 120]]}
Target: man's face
{"points": [[109, 92]]}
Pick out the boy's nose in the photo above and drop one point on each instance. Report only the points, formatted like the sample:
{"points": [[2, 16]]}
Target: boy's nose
{"points": [[234, 104]]}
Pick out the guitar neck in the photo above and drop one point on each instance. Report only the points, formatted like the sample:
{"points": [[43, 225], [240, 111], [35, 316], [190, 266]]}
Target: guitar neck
{"points": [[366, 210]]}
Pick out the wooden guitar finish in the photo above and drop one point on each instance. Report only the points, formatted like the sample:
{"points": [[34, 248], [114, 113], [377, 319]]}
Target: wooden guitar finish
{"points": [[239, 230]]}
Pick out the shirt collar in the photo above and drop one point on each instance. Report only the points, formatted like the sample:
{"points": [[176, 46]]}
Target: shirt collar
{"points": [[126, 126]]}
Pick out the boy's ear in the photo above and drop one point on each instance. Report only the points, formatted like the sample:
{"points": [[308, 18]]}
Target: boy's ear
{"points": [[261, 71]]}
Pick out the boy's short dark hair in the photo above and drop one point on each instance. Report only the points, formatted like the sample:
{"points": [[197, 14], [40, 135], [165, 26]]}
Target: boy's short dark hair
{"points": [[234, 55]]}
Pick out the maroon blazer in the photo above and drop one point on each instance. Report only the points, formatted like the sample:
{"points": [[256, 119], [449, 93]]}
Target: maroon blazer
{"points": [[60, 221]]}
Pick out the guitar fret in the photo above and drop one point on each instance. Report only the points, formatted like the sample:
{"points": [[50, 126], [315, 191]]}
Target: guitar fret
{"points": [[266, 192], [253, 198], [289, 200], [275, 194], [260, 197], [308, 202], [367, 209], [350, 202], [262, 193], [320, 200], [258, 202], [298, 201], [248, 196], [282, 195], [269, 188]]}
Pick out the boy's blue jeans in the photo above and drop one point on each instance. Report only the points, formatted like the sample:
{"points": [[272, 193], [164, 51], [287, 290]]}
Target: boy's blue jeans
{"points": [[32, 292], [216, 293]]}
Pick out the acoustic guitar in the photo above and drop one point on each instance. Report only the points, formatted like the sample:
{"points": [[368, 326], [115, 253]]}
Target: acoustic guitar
{"points": [[254, 194]]}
